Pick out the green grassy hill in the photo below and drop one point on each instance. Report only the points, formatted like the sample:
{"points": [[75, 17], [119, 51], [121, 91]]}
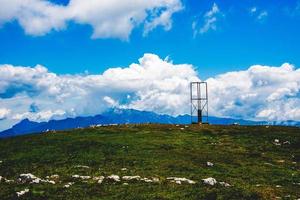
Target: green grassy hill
{"points": [[257, 162]]}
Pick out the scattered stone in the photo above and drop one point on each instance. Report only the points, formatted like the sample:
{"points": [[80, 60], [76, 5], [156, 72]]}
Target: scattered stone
{"points": [[113, 177], [155, 180], [8, 181], [209, 181], [267, 126], [124, 169], [68, 184], [277, 142], [270, 164], [81, 177], [147, 180], [180, 180], [99, 179], [125, 183], [286, 142], [82, 166], [181, 128], [258, 185], [21, 193], [130, 178], [224, 184], [209, 164], [29, 178], [54, 176], [1, 161], [186, 126], [177, 125], [278, 186], [48, 181]]}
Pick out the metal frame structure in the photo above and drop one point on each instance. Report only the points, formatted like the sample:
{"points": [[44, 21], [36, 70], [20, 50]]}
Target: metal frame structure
{"points": [[199, 102]]}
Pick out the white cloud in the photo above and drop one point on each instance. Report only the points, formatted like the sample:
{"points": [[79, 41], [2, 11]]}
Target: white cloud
{"points": [[259, 14], [109, 18], [261, 92], [210, 20], [253, 10], [153, 84], [4, 112], [262, 15]]}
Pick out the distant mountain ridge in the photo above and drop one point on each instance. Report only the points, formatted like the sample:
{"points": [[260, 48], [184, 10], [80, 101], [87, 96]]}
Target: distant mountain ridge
{"points": [[121, 116]]}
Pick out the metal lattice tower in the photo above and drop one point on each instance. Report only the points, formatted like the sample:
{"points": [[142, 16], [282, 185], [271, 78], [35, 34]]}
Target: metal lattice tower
{"points": [[199, 102]]}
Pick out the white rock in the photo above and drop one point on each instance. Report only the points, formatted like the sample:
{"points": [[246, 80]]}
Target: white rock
{"points": [[99, 179], [181, 128], [156, 180], [81, 177], [1, 161], [85, 177], [224, 184], [276, 141], [54, 176], [8, 181], [82, 166], [177, 180], [48, 181], [21, 193], [37, 180], [209, 164], [147, 180], [68, 184], [29, 178], [129, 178], [114, 178], [287, 142], [209, 181], [124, 169], [125, 183], [278, 186]]}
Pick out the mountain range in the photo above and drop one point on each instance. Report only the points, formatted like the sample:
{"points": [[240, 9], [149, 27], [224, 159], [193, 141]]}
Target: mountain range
{"points": [[121, 116]]}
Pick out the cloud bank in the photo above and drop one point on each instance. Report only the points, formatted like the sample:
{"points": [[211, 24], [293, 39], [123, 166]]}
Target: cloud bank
{"points": [[108, 18], [152, 84]]}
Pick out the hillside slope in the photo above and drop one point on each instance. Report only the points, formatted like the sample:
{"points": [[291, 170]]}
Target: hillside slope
{"points": [[257, 162]]}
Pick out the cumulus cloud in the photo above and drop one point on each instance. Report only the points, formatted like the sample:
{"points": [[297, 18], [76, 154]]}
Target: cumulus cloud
{"points": [[210, 20], [152, 84], [4, 112], [261, 93], [109, 18]]}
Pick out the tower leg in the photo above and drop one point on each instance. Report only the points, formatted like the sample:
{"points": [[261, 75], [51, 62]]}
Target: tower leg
{"points": [[199, 116]]}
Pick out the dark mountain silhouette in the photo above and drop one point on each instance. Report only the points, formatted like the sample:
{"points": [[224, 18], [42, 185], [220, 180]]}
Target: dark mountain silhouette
{"points": [[120, 116]]}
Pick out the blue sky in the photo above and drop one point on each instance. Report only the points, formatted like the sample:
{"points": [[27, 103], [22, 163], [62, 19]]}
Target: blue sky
{"points": [[63, 59], [239, 41]]}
